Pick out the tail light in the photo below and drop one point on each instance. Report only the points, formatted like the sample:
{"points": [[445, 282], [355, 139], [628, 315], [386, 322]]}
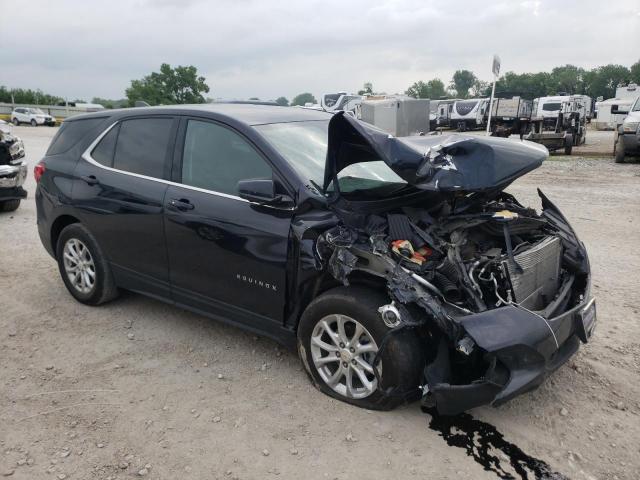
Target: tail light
{"points": [[38, 171]]}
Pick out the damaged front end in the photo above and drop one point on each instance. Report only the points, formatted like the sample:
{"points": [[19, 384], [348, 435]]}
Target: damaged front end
{"points": [[498, 292]]}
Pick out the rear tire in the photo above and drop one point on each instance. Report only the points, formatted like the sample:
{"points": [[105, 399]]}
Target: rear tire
{"points": [[83, 266], [401, 362], [619, 151], [9, 205]]}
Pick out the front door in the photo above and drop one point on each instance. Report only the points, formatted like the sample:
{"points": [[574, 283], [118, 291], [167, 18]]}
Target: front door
{"points": [[226, 256], [119, 189]]}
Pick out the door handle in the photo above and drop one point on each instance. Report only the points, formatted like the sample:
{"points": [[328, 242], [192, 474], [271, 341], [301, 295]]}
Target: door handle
{"points": [[90, 179], [181, 204]]}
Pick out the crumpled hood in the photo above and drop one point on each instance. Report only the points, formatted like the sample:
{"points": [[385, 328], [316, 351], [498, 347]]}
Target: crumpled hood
{"points": [[438, 163]]}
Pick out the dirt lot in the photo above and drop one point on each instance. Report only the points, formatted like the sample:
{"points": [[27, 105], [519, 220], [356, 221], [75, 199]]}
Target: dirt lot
{"points": [[138, 388]]}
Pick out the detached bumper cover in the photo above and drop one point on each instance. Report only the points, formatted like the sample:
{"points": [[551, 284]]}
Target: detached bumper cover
{"points": [[522, 349]]}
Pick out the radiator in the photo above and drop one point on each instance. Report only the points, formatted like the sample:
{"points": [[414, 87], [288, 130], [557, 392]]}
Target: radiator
{"points": [[539, 281]]}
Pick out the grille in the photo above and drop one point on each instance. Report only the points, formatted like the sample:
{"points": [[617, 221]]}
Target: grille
{"points": [[539, 281]]}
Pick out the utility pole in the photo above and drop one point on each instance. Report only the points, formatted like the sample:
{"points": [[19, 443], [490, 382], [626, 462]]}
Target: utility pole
{"points": [[495, 68]]}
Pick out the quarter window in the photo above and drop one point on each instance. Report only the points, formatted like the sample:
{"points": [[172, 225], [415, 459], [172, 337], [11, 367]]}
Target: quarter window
{"points": [[142, 145], [103, 153], [216, 158]]}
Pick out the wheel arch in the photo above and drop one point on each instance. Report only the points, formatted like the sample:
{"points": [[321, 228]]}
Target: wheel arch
{"points": [[58, 225], [325, 283]]}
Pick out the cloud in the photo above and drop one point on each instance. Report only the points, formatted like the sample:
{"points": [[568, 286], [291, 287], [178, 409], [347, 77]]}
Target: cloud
{"points": [[266, 49]]}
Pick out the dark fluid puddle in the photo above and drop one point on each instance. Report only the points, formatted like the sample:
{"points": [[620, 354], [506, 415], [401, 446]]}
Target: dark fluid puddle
{"points": [[484, 442]]}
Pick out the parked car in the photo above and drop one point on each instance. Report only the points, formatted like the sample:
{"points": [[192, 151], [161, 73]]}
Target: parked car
{"points": [[13, 169], [627, 134], [33, 116], [397, 274]]}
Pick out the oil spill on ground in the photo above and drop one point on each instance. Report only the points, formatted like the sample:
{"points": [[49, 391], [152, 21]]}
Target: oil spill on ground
{"points": [[484, 442]]}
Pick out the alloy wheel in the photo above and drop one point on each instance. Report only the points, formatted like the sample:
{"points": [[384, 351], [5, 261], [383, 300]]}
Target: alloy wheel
{"points": [[79, 266], [343, 351]]}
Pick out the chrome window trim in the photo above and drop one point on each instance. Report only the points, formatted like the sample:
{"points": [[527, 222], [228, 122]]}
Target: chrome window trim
{"points": [[87, 157]]}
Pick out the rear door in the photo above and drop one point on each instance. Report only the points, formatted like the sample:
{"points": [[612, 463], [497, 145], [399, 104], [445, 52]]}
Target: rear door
{"points": [[119, 189], [226, 256]]}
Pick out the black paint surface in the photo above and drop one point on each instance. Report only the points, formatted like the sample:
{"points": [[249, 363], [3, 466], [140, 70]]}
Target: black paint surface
{"points": [[484, 442]]}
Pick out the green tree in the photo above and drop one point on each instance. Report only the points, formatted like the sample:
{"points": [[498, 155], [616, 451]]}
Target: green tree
{"points": [[419, 89], [634, 72], [27, 96], [282, 101], [303, 98], [602, 81], [433, 89], [169, 86], [462, 82], [567, 78], [480, 88], [527, 85]]}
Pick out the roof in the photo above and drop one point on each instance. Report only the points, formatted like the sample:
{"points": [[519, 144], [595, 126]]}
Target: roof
{"points": [[250, 114]]}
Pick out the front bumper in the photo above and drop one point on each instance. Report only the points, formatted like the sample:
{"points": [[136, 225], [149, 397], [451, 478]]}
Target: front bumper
{"points": [[521, 348], [12, 176]]}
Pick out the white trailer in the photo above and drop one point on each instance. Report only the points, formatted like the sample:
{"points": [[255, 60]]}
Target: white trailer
{"points": [[469, 114], [625, 96], [399, 116]]}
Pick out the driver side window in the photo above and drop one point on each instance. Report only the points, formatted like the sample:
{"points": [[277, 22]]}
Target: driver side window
{"points": [[216, 158]]}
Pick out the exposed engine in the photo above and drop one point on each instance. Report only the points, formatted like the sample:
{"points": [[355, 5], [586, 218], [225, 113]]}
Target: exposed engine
{"points": [[453, 262]]}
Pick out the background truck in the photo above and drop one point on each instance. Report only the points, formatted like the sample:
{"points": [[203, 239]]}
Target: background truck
{"points": [[626, 141], [559, 122]]}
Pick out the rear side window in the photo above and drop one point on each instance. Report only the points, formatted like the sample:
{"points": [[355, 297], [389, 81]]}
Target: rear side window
{"points": [[216, 158], [103, 153], [71, 133], [141, 146]]}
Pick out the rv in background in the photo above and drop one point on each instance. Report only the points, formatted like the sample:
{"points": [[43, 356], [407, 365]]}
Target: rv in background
{"points": [[625, 97], [469, 114], [549, 107], [333, 102], [440, 112]]}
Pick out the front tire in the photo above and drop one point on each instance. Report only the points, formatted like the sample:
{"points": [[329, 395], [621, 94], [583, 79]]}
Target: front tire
{"points": [[83, 267], [16, 122], [9, 205], [34, 123], [339, 336], [568, 144]]}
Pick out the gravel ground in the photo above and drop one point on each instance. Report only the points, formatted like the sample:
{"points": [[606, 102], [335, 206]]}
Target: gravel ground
{"points": [[137, 388]]}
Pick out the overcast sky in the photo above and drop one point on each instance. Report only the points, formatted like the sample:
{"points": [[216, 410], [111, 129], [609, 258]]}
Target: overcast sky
{"points": [[246, 48]]}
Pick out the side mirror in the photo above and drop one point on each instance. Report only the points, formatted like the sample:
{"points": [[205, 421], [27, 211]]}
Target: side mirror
{"points": [[262, 192], [616, 110]]}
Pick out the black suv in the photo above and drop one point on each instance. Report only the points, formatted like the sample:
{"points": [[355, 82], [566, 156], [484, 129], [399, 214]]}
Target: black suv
{"points": [[398, 266]]}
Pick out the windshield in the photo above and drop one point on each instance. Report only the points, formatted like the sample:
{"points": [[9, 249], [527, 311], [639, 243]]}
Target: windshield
{"points": [[551, 107], [304, 146], [636, 105]]}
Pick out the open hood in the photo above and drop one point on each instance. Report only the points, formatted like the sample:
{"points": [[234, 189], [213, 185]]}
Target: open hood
{"points": [[452, 163]]}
